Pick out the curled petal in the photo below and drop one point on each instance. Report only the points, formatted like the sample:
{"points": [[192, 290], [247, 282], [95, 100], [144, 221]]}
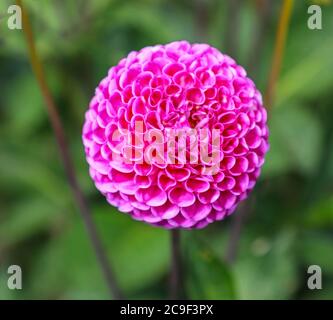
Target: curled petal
{"points": [[196, 211], [166, 211], [197, 185], [195, 95], [226, 184], [181, 197], [242, 184], [178, 174], [143, 182], [253, 138], [209, 196], [172, 90], [172, 68], [225, 201], [241, 165], [165, 182], [153, 196], [184, 79]]}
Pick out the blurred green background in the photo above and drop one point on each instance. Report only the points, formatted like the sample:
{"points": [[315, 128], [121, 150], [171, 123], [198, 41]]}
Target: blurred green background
{"points": [[290, 223]]}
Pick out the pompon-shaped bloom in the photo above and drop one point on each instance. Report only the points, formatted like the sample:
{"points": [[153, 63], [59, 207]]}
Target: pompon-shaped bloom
{"points": [[157, 93]]}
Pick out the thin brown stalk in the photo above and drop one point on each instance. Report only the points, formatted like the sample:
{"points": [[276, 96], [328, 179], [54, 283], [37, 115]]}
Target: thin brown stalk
{"points": [[59, 133], [176, 266], [280, 43]]}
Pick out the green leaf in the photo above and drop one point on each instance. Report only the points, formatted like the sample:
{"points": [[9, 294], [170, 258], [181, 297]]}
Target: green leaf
{"points": [[308, 60], [326, 293], [321, 214], [25, 110], [68, 268], [26, 219], [316, 249], [23, 172], [309, 77], [5, 293], [295, 138], [207, 276], [265, 268]]}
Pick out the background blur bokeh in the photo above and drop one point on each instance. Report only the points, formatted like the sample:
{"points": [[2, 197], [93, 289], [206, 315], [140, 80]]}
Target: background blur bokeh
{"points": [[289, 222]]}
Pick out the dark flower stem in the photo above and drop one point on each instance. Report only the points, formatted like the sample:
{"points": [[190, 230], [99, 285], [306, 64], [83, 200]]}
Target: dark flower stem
{"points": [[79, 197], [232, 27], [263, 12], [201, 11], [280, 41], [176, 266], [235, 232]]}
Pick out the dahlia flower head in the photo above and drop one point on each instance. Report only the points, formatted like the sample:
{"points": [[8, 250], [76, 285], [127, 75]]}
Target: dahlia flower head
{"points": [[176, 135]]}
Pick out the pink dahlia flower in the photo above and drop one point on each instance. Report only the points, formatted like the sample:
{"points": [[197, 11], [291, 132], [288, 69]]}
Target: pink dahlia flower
{"points": [[176, 135]]}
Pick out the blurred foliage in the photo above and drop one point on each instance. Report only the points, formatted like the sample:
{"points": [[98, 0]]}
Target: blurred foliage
{"points": [[207, 277], [291, 222]]}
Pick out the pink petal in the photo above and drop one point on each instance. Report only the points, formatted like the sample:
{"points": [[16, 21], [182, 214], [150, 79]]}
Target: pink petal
{"points": [[166, 211], [178, 174], [196, 211], [153, 196], [198, 185], [165, 182], [226, 200], [209, 196], [253, 138], [172, 68], [184, 79], [181, 197], [195, 95], [226, 184], [240, 166]]}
